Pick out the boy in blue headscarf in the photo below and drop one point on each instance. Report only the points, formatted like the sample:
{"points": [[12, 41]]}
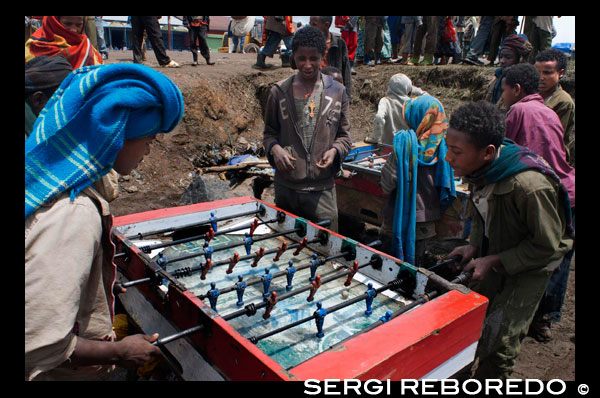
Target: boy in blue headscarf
{"points": [[101, 117]]}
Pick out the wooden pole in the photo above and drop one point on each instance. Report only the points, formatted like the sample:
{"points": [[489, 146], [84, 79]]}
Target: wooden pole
{"points": [[169, 29]]}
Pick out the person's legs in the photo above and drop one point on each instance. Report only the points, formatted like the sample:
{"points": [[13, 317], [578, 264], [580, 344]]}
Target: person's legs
{"points": [[271, 45], [497, 29], [369, 46], [204, 50], [193, 34], [100, 37], [513, 302], [550, 308], [431, 40], [418, 44], [155, 36], [379, 39], [269, 49], [314, 206], [137, 37], [320, 206], [478, 42]]}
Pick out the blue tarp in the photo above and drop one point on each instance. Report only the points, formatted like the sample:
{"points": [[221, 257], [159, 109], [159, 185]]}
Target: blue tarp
{"points": [[568, 48]]}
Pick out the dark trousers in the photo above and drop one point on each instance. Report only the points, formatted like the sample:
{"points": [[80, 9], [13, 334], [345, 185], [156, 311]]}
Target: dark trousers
{"points": [[152, 27], [428, 32], [198, 33], [315, 206], [550, 308]]}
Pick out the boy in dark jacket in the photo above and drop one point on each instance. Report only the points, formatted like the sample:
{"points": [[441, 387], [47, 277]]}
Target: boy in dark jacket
{"points": [[307, 133]]}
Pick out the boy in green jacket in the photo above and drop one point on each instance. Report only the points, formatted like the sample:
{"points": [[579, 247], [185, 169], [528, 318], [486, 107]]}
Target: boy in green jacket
{"points": [[519, 235]]}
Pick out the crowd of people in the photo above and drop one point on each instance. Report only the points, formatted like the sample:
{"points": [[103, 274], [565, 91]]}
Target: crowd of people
{"points": [[86, 123]]}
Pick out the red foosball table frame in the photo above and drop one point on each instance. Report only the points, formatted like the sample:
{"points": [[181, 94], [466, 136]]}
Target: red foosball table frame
{"points": [[433, 340]]}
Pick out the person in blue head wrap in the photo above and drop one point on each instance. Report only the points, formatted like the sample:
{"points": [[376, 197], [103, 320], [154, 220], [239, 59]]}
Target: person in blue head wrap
{"points": [[418, 179], [101, 117]]}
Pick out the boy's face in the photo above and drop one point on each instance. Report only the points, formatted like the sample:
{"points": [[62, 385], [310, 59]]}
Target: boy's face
{"points": [[463, 156], [74, 24], [308, 61], [507, 58], [549, 76], [511, 95], [132, 153], [322, 26]]}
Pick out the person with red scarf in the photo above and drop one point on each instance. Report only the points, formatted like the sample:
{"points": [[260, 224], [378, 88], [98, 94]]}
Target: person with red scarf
{"points": [[63, 35]]}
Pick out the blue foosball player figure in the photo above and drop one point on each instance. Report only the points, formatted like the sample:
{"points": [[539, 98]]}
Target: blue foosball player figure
{"points": [[213, 295], [371, 293], [266, 281], [213, 221], [240, 287], [314, 263], [386, 317], [320, 318], [248, 243], [291, 270], [208, 251], [162, 261]]}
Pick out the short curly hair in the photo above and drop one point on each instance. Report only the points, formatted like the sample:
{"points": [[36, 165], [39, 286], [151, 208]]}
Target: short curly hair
{"points": [[309, 37], [482, 121], [552, 54], [526, 75]]}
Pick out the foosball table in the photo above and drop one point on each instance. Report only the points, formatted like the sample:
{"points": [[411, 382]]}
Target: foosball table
{"points": [[241, 290], [361, 199]]}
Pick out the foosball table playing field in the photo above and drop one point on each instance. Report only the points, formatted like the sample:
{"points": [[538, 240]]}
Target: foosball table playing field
{"points": [[241, 290]]}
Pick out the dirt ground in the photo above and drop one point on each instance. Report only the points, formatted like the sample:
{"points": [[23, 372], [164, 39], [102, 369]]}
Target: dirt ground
{"points": [[223, 116]]}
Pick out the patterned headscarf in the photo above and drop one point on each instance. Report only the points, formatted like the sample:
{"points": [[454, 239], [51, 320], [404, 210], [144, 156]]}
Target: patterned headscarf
{"points": [[425, 115], [518, 44], [53, 39], [423, 144], [80, 131]]}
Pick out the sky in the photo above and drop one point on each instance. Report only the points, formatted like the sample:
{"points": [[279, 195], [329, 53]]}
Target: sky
{"points": [[565, 28]]}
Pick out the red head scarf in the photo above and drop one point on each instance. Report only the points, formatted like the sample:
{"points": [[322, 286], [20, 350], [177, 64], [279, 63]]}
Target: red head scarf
{"points": [[53, 39]]}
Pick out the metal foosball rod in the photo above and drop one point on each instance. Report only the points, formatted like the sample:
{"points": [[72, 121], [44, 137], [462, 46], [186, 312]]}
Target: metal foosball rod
{"points": [[422, 299], [178, 335], [211, 220], [371, 157], [207, 235], [184, 333], [166, 261], [462, 278], [187, 271], [321, 312], [251, 309], [321, 261]]}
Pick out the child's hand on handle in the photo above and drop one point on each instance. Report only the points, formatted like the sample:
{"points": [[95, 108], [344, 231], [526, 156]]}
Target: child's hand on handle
{"points": [[467, 252], [137, 349]]}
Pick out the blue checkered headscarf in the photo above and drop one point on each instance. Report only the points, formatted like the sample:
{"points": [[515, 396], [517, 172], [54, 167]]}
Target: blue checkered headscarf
{"points": [[77, 136]]}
